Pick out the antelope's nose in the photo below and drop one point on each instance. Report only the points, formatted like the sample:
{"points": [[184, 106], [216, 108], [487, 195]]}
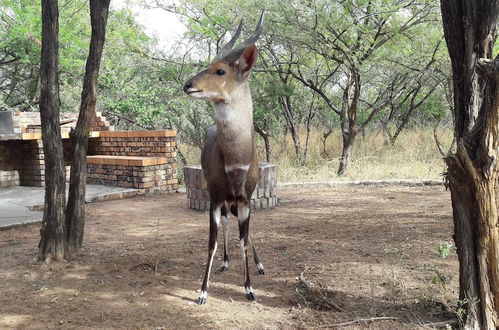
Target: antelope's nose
{"points": [[187, 86]]}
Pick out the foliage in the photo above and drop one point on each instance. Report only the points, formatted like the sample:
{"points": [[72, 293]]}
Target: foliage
{"points": [[307, 53], [444, 249]]}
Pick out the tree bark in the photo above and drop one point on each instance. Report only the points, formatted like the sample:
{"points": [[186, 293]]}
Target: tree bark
{"points": [[346, 152], [348, 118], [265, 138], [51, 246], [473, 169], [75, 212], [285, 103]]}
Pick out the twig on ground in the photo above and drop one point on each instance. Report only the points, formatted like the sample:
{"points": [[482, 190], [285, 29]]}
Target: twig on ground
{"points": [[372, 319], [440, 324]]}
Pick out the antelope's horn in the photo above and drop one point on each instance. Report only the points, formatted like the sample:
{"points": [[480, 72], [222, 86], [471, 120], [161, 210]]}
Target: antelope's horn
{"points": [[228, 47]]}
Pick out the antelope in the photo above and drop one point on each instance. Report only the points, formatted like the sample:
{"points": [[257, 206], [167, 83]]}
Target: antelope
{"points": [[229, 158]]}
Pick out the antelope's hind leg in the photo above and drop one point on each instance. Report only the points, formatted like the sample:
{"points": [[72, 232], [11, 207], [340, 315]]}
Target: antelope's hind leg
{"points": [[225, 225], [259, 266], [243, 216], [215, 215]]}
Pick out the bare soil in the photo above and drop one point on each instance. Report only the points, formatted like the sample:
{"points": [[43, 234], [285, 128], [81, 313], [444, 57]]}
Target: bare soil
{"points": [[365, 255]]}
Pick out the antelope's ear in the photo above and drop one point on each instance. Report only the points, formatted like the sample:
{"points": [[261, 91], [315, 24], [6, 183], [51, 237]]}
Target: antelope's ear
{"points": [[247, 61]]}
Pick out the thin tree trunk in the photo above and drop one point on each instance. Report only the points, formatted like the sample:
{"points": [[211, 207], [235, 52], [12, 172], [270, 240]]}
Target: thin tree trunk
{"points": [[51, 244], [348, 119], [346, 152], [325, 135], [288, 114], [310, 117], [265, 138], [473, 170], [75, 212]]}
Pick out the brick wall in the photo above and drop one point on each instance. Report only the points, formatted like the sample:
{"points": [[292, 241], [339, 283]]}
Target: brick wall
{"points": [[22, 161], [135, 143], [29, 122], [150, 177], [160, 144]]}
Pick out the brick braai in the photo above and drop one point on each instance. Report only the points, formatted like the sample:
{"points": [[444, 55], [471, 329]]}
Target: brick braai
{"points": [[140, 159]]}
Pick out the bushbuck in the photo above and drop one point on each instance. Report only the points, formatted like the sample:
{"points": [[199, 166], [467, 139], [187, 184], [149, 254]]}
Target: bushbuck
{"points": [[229, 158]]}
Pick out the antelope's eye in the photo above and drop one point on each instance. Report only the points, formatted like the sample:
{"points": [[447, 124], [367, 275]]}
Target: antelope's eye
{"points": [[220, 72]]}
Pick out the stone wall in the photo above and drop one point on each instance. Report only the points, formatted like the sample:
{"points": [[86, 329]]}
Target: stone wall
{"points": [[264, 196]]}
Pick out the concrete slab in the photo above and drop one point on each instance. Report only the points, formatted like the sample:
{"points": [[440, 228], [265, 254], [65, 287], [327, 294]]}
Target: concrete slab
{"points": [[22, 205]]}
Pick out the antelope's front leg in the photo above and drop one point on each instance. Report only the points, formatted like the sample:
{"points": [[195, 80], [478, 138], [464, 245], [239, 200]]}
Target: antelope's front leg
{"points": [[243, 216], [215, 213]]}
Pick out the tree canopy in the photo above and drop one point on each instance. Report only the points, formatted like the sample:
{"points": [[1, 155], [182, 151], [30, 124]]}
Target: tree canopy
{"points": [[349, 66]]}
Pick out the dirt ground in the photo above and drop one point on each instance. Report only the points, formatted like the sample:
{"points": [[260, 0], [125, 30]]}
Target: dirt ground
{"points": [[365, 253]]}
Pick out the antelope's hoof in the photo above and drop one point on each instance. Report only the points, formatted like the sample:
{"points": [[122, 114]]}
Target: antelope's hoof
{"points": [[224, 267], [202, 298], [249, 293], [261, 271], [250, 296]]}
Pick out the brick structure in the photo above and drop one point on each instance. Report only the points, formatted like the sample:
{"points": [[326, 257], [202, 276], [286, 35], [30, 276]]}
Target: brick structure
{"points": [[29, 122], [144, 160], [264, 196], [22, 163], [135, 143]]}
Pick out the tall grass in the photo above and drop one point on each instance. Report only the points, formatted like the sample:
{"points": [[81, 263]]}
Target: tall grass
{"points": [[414, 156]]}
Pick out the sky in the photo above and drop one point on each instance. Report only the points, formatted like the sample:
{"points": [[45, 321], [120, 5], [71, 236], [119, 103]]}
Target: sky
{"points": [[159, 23]]}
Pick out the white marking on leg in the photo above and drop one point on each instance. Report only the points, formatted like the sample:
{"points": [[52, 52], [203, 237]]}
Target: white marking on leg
{"points": [[241, 244], [242, 167], [217, 214], [211, 263], [225, 264], [203, 295], [260, 266], [242, 212], [249, 290]]}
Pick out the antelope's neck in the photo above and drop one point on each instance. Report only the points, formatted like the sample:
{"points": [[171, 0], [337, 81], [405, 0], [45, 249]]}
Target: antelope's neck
{"points": [[234, 121]]}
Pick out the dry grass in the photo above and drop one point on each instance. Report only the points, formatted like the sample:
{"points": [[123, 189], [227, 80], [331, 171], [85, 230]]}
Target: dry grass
{"points": [[414, 156]]}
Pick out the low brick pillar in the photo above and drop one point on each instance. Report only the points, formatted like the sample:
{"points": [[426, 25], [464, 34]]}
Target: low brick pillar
{"points": [[264, 196]]}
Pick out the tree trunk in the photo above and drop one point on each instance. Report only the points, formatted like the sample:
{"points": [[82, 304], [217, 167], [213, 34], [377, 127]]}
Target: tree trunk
{"points": [[325, 135], [473, 170], [265, 138], [288, 114], [75, 212], [346, 152], [51, 244], [348, 118]]}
